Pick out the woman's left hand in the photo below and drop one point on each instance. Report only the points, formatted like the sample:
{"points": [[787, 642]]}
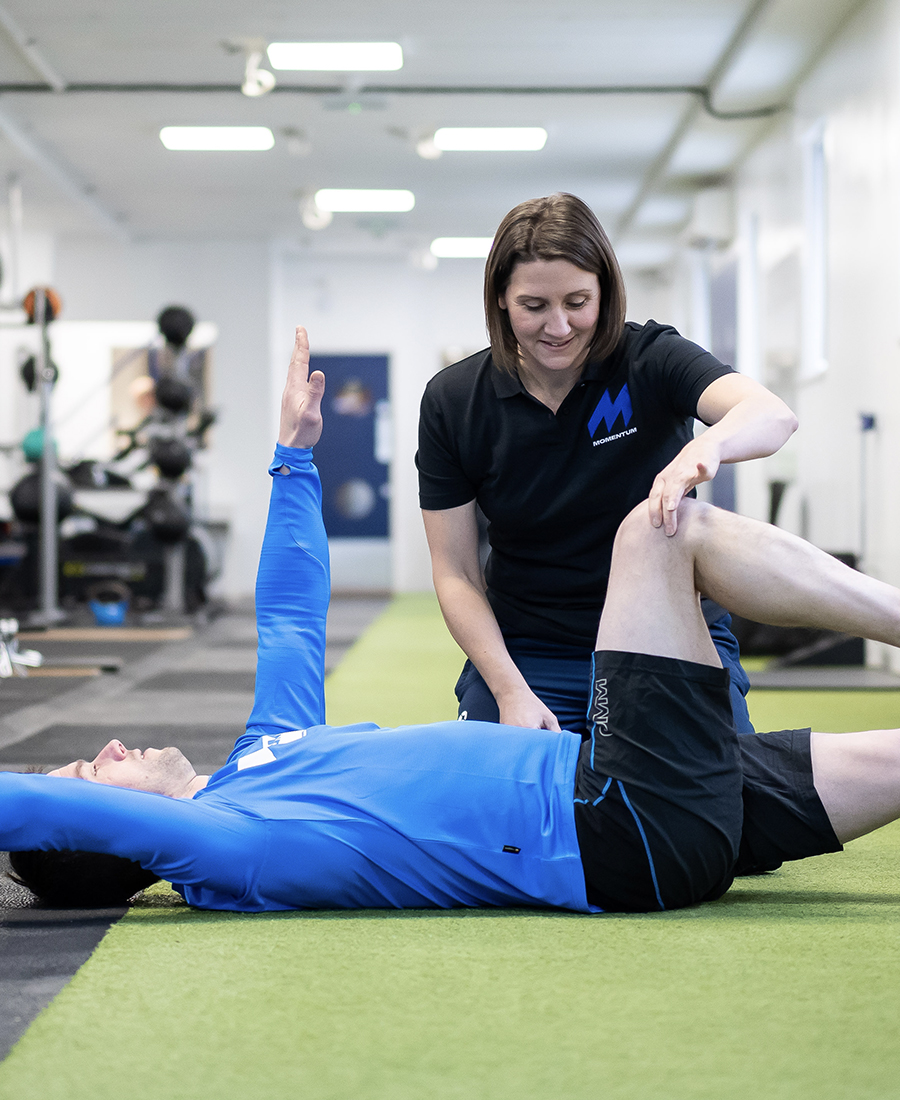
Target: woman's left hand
{"points": [[695, 463], [746, 421]]}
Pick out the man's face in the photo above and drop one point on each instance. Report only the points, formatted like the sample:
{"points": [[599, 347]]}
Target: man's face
{"points": [[163, 771]]}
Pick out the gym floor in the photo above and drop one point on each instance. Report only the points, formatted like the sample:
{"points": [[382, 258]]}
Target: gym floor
{"points": [[785, 988], [191, 687]]}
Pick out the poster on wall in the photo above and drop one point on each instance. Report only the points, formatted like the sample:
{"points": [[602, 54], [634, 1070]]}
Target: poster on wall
{"points": [[353, 454]]}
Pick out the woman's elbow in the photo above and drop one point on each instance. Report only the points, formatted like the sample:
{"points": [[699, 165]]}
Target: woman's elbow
{"points": [[788, 421], [781, 420]]}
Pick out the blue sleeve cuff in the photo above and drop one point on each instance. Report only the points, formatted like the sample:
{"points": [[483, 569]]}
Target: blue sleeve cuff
{"points": [[295, 458]]}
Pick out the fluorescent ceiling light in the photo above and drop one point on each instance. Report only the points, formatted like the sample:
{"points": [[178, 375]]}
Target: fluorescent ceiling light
{"points": [[461, 248], [490, 139], [360, 201], [345, 57], [215, 138]]}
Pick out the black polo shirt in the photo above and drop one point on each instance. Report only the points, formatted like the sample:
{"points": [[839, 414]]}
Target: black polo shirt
{"points": [[555, 488]]}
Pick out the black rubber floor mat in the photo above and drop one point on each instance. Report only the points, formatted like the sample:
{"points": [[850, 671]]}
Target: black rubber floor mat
{"points": [[40, 950], [200, 681]]}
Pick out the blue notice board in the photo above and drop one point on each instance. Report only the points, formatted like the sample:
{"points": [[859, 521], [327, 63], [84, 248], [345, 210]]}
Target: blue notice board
{"points": [[353, 455]]}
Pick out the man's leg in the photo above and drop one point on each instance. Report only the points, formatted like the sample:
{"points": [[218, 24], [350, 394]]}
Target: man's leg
{"points": [[750, 568], [770, 576], [658, 789], [805, 794], [652, 603], [857, 777]]}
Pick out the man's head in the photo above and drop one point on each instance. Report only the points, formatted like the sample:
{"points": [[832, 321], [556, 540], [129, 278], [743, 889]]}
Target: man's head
{"points": [[162, 771], [79, 880]]}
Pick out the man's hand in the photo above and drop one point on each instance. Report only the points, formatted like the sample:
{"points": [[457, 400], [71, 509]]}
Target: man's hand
{"points": [[528, 711], [301, 402], [696, 462]]}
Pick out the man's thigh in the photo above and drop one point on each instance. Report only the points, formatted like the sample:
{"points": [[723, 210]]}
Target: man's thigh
{"points": [[857, 777], [652, 605]]}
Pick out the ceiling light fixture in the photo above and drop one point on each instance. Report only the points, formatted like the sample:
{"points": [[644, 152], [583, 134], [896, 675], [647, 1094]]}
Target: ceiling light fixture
{"points": [[461, 248], [345, 57], [490, 139], [359, 201], [257, 81], [312, 215], [427, 149], [217, 138], [297, 141], [423, 259]]}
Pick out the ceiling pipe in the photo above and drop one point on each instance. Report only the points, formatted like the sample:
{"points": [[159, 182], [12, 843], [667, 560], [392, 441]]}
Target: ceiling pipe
{"points": [[64, 179], [25, 45], [715, 79], [689, 116], [701, 92]]}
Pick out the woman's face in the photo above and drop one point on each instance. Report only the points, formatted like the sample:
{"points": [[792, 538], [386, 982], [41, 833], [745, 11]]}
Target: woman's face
{"points": [[553, 308]]}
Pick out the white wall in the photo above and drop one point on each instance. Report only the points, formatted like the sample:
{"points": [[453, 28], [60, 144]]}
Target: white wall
{"points": [[853, 99], [652, 295]]}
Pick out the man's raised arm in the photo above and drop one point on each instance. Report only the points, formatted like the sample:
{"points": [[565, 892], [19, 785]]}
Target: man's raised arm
{"points": [[293, 584]]}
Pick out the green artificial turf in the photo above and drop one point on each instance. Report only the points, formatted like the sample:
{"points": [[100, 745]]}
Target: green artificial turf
{"points": [[401, 671], [785, 989], [828, 711]]}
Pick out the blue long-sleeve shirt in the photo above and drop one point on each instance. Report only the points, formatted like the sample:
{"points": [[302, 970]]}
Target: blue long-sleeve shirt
{"points": [[304, 815]]}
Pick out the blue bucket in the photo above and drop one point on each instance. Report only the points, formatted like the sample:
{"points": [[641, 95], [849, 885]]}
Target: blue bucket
{"points": [[109, 614]]}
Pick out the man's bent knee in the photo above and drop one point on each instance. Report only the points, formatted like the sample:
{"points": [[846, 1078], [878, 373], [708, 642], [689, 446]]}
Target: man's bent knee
{"points": [[636, 532]]}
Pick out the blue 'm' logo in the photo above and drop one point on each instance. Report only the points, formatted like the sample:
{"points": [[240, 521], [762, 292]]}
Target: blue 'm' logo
{"points": [[609, 410]]}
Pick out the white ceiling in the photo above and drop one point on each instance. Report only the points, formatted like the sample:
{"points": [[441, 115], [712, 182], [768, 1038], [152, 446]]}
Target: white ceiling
{"points": [[89, 157]]}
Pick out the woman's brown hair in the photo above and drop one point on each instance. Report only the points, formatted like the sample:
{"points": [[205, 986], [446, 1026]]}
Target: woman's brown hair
{"points": [[558, 227]]}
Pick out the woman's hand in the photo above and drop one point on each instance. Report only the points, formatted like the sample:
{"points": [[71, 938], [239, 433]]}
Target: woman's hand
{"points": [[526, 710], [746, 421], [696, 462]]}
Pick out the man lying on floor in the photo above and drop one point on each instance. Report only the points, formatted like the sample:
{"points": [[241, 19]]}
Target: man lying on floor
{"points": [[661, 808]]}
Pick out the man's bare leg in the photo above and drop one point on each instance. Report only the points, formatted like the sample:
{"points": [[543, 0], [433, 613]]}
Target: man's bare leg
{"points": [[652, 604], [770, 576], [857, 777], [750, 568]]}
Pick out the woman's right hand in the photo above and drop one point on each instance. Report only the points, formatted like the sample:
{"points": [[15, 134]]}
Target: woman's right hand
{"points": [[526, 710]]}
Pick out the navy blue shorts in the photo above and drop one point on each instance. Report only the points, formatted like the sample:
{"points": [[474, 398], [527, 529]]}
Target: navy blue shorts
{"points": [[560, 675], [670, 804]]}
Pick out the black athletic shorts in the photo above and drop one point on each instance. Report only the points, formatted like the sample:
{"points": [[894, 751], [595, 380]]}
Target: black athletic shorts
{"points": [[784, 817], [665, 814]]}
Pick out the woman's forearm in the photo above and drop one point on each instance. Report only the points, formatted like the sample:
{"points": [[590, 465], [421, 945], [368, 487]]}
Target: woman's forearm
{"points": [[754, 428], [471, 621], [459, 583], [746, 421]]}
